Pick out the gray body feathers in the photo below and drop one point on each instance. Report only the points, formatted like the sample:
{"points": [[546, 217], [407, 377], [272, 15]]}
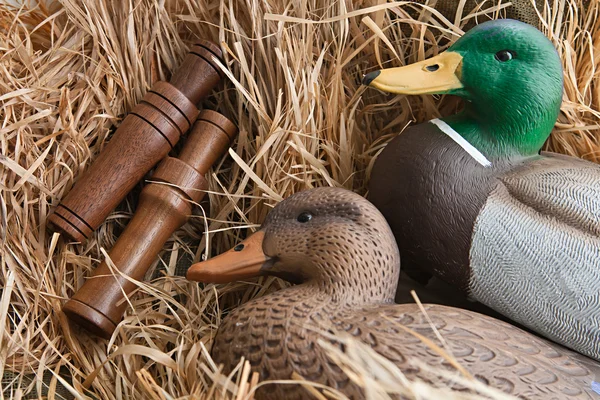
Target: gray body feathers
{"points": [[537, 239]]}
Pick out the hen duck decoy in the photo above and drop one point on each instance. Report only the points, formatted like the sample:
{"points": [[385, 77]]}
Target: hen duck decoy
{"points": [[338, 247], [471, 199]]}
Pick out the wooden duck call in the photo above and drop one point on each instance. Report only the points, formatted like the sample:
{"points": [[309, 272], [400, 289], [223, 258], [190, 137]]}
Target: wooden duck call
{"points": [[144, 137], [165, 205]]}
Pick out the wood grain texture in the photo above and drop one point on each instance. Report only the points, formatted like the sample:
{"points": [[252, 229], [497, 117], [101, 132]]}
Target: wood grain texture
{"points": [[144, 137], [164, 206], [199, 72], [205, 146]]}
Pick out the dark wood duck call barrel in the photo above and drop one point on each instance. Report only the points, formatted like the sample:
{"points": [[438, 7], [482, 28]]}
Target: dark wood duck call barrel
{"points": [[144, 137], [164, 206]]}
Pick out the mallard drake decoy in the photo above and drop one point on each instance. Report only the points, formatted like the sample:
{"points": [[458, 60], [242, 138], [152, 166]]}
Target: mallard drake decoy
{"points": [[470, 198], [338, 247]]}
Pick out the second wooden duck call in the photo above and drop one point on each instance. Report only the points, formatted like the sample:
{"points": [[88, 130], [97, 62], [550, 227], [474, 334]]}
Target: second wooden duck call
{"points": [[144, 137], [165, 205]]}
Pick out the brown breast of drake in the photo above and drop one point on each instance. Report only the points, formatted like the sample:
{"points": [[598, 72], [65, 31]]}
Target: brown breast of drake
{"points": [[430, 191]]}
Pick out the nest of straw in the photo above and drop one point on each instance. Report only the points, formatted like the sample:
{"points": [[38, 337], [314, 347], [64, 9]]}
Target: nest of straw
{"points": [[70, 72]]}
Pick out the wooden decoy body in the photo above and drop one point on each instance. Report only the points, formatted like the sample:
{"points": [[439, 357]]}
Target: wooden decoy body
{"points": [[342, 254], [472, 201]]}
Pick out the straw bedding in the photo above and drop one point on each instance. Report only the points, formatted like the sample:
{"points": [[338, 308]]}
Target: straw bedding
{"points": [[70, 71]]}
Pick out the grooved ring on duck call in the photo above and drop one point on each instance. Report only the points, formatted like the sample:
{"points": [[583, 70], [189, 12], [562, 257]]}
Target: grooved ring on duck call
{"points": [[165, 205], [144, 137]]}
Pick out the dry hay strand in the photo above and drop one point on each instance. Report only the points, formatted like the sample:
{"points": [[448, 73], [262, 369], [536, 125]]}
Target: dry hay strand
{"points": [[69, 73]]}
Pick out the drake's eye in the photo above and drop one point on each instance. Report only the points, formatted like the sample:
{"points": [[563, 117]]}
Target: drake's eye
{"points": [[504, 55], [304, 217]]}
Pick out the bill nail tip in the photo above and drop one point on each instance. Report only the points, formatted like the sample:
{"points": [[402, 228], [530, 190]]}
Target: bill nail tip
{"points": [[368, 78]]}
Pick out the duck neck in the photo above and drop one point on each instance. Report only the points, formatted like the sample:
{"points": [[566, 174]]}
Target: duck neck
{"points": [[511, 130], [364, 285]]}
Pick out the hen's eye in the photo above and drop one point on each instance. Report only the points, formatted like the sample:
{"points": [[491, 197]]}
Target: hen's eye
{"points": [[304, 217], [504, 55]]}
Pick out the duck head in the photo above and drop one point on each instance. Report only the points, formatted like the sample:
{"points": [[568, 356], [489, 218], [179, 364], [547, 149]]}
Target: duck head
{"points": [[328, 237], [511, 77]]}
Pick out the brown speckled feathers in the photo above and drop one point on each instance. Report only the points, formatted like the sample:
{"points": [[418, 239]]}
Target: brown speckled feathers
{"points": [[280, 336], [344, 255]]}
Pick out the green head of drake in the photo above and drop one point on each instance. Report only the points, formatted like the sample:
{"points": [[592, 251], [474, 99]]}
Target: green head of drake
{"points": [[511, 77]]}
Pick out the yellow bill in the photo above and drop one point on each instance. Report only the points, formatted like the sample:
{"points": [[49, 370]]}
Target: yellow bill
{"points": [[438, 74]]}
